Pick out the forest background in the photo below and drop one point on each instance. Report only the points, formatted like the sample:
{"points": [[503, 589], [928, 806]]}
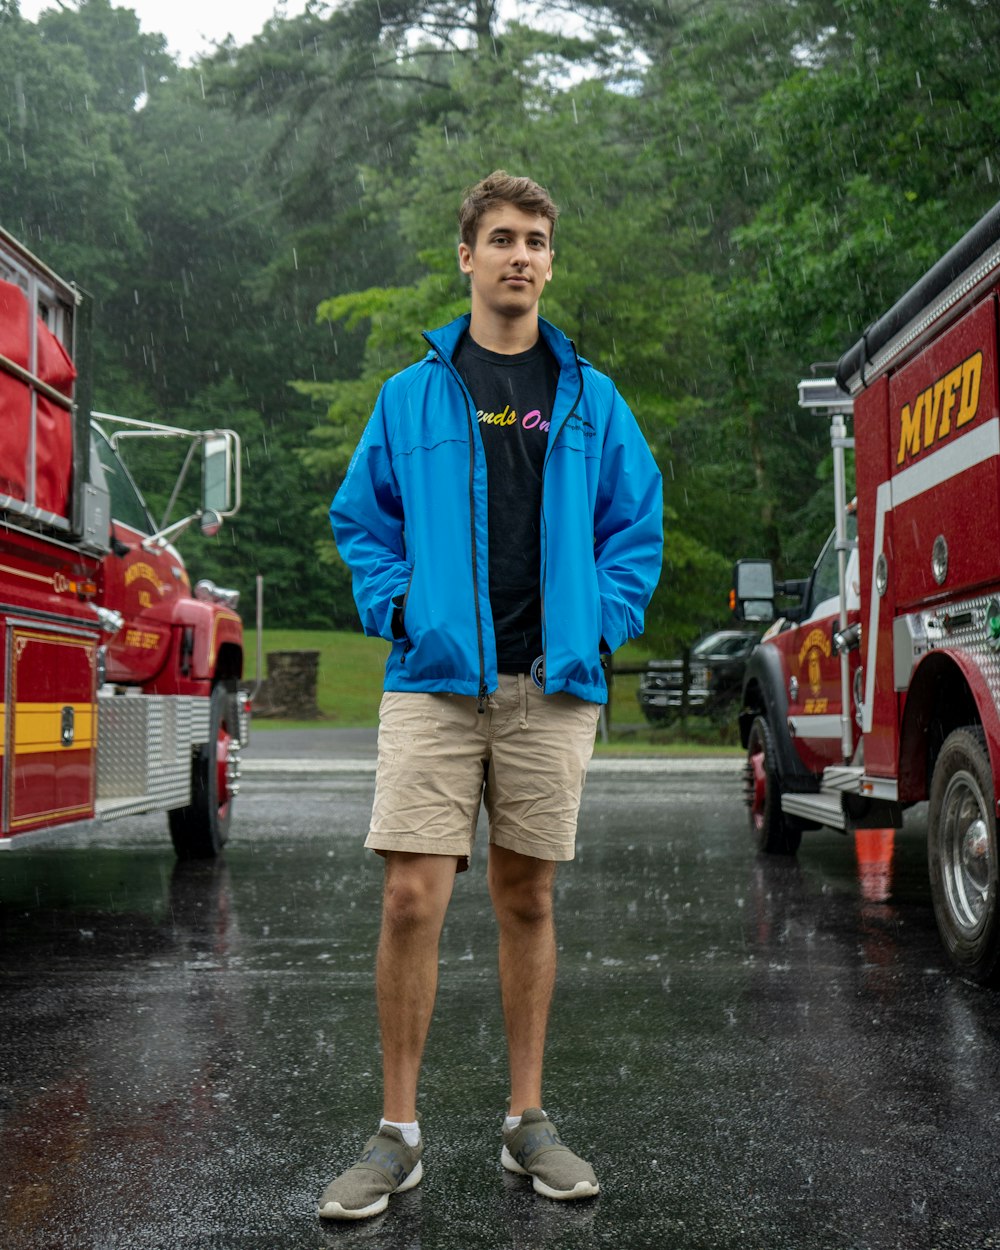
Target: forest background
{"points": [[745, 185]]}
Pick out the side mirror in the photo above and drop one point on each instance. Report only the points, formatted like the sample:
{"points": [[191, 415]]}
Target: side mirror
{"points": [[752, 596], [218, 472]]}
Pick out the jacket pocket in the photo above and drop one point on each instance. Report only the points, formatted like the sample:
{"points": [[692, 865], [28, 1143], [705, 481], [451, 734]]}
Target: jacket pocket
{"points": [[399, 630]]}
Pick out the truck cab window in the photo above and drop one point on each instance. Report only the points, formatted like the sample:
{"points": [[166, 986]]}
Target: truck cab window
{"points": [[127, 505], [824, 585]]}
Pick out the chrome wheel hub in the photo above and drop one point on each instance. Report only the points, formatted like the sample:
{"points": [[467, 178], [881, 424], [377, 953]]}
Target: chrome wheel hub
{"points": [[966, 851]]}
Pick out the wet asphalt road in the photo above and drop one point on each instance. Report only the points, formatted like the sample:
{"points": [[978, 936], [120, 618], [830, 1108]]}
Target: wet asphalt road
{"points": [[757, 1054]]}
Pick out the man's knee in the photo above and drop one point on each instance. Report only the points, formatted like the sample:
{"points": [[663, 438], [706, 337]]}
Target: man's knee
{"points": [[417, 890], [521, 889]]}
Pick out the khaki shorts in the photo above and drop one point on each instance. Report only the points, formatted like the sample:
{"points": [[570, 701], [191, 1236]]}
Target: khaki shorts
{"points": [[439, 758]]}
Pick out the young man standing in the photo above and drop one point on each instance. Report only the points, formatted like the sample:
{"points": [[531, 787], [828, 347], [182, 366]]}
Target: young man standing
{"points": [[502, 519]]}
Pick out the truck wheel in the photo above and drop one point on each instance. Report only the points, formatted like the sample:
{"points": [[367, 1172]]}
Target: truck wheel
{"points": [[773, 831], [200, 830], [962, 855]]}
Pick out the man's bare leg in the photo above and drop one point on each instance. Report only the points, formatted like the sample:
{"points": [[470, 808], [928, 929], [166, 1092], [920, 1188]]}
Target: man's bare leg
{"points": [[521, 890], [414, 902]]}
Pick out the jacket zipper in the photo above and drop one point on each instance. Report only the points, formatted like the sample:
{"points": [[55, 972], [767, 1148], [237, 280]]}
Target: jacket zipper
{"points": [[481, 703], [545, 528], [483, 692]]}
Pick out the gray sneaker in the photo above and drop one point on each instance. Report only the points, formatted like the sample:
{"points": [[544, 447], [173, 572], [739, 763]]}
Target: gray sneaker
{"points": [[534, 1149], [387, 1166]]}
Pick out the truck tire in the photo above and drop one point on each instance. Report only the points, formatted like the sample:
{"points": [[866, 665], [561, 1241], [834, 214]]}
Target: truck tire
{"points": [[200, 830], [772, 830], [962, 855]]}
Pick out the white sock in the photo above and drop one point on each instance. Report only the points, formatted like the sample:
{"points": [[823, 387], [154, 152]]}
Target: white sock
{"points": [[410, 1130], [511, 1122]]}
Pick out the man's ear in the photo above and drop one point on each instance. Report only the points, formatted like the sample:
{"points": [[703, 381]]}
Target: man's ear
{"points": [[465, 258]]}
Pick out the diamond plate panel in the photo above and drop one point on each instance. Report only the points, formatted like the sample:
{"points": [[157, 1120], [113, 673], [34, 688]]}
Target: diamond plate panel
{"points": [[145, 745], [970, 637]]}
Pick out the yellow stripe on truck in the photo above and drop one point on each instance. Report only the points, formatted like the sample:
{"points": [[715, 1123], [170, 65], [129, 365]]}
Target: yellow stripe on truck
{"points": [[38, 727]]}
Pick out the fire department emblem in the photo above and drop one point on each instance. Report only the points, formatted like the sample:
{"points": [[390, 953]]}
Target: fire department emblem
{"points": [[812, 653]]}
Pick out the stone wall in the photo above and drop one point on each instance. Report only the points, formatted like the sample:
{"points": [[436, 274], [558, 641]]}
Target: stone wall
{"points": [[289, 690]]}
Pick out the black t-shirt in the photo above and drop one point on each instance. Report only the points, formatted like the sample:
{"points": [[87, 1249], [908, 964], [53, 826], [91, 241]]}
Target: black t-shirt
{"points": [[514, 396]]}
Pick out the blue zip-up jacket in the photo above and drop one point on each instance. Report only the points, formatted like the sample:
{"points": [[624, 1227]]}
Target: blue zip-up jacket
{"points": [[410, 520]]}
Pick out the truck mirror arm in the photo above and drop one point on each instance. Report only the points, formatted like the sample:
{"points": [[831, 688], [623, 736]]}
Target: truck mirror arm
{"points": [[795, 587], [211, 523], [181, 478]]}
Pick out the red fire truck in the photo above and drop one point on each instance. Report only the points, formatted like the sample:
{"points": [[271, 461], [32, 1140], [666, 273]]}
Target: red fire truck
{"points": [[119, 684], [880, 688]]}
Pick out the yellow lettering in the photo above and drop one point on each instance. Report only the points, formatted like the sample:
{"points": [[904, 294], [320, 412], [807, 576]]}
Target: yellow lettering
{"points": [[141, 572], [938, 396], [929, 419], [952, 381], [507, 417], [921, 414], [972, 373], [932, 408], [909, 433]]}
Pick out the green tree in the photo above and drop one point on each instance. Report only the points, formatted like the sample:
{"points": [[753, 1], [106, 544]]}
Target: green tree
{"points": [[124, 62], [216, 344], [156, 204], [64, 186], [624, 289], [878, 152], [747, 183]]}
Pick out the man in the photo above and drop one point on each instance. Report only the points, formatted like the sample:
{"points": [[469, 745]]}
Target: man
{"points": [[502, 519]]}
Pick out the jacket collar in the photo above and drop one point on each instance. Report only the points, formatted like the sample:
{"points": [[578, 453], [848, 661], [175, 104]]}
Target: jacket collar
{"points": [[445, 339]]}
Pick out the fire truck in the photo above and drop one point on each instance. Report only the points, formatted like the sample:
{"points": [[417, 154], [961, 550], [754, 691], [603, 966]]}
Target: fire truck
{"points": [[120, 685], [880, 687]]}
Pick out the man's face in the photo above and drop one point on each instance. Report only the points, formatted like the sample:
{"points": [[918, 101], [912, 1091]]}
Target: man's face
{"points": [[511, 261]]}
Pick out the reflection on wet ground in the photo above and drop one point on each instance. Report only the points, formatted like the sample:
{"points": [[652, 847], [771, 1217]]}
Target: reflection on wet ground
{"points": [[754, 1053]]}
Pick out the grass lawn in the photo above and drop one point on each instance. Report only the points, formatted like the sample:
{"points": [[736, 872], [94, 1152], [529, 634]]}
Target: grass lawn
{"points": [[350, 687]]}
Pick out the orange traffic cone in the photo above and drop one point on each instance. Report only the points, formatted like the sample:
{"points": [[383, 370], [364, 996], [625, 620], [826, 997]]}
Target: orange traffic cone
{"points": [[874, 848]]}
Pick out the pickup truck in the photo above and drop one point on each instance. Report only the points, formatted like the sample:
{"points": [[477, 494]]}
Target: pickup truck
{"points": [[715, 677]]}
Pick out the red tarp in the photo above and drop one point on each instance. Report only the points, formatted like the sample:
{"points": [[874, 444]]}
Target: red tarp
{"points": [[53, 424]]}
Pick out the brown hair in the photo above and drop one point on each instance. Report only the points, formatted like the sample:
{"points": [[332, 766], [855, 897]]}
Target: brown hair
{"points": [[501, 187]]}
